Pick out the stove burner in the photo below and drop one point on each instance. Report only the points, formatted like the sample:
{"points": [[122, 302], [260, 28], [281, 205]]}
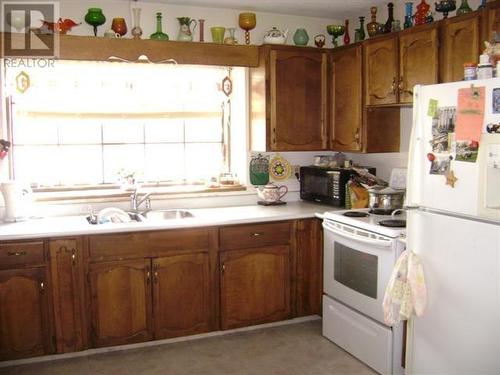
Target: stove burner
{"points": [[384, 212], [355, 214], [393, 223]]}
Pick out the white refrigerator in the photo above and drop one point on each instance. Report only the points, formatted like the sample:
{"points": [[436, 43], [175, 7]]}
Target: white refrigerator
{"points": [[455, 231]]}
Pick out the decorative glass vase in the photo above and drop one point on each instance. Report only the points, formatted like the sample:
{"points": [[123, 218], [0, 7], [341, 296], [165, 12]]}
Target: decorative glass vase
{"points": [[360, 35], [409, 15], [390, 18], [464, 8], [136, 30], [95, 17], [374, 28], [347, 38], [422, 12], [159, 34]]}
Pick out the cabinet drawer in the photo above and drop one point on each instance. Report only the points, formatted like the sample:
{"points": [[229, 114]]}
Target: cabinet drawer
{"points": [[146, 244], [254, 235], [21, 254]]}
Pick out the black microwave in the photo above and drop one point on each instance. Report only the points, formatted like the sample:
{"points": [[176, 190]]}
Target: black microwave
{"points": [[326, 185]]}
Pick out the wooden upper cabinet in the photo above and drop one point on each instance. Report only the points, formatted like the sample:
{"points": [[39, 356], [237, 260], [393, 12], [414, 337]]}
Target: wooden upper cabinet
{"points": [[491, 21], [418, 61], [297, 100], [120, 302], [66, 266], [182, 289], [381, 70], [255, 286], [25, 329], [460, 38], [346, 98]]}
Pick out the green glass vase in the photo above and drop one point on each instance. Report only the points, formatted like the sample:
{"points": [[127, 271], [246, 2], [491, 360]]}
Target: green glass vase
{"points": [[95, 17], [464, 8], [159, 34]]}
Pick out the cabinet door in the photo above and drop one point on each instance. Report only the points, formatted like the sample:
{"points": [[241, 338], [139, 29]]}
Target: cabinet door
{"points": [[24, 317], [255, 286], [491, 21], [182, 295], [67, 293], [460, 45], [418, 61], [309, 257], [121, 302], [346, 99], [381, 71], [298, 100]]}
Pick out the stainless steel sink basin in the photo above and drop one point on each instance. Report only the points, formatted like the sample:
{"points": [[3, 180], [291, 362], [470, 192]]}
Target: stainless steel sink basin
{"points": [[167, 214]]}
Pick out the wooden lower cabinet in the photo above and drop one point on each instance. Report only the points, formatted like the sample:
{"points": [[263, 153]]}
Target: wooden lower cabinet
{"points": [[66, 268], [182, 295], [120, 302], [25, 325], [309, 272], [255, 286]]}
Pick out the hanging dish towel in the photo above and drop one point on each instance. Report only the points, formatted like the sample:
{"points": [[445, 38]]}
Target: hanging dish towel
{"points": [[406, 292]]}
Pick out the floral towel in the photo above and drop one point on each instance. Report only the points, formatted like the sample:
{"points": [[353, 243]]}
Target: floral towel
{"points": [[406, 293]]}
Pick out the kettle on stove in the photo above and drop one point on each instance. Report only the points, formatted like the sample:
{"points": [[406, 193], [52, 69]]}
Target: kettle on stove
{"points": [[18, 199]]}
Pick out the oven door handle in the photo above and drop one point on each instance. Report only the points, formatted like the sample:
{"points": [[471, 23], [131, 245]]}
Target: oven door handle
{"points": [[353, 237]]}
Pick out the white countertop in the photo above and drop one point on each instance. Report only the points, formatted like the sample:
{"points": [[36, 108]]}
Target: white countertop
{"points": [[78, 225]]}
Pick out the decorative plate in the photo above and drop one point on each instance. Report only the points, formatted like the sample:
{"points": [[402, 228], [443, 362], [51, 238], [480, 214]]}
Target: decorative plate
{"points": [[280, 168]]}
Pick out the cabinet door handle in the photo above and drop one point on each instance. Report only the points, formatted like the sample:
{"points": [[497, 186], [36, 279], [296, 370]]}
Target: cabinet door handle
{"points": [[401, 84], [257, 234], [148, 276], [223, 268], [16, 253], [42, 287], [155, 274], [393, 86], [356, 135]]}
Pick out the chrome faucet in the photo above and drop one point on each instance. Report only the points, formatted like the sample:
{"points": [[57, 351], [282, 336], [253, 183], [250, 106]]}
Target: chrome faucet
{"points": [[135, 202]]}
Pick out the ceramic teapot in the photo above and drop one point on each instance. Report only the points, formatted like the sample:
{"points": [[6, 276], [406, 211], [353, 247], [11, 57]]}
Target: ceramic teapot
{"points": [[275, 36], [272, 193]]}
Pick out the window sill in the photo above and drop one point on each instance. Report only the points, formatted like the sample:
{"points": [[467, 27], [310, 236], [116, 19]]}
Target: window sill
{"points": [[120, 195]]}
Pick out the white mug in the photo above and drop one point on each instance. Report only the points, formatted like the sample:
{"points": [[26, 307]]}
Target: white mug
{"points": [[111, 34]]}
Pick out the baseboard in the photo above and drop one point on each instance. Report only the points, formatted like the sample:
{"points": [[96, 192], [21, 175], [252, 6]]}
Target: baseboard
{"points": [[88, 352]]}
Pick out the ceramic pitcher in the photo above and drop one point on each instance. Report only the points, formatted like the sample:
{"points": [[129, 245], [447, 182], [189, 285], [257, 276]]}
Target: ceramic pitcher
{"points": [[185, 31]]}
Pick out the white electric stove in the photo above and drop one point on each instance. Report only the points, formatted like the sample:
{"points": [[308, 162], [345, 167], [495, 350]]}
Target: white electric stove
{"points": [[359, 256]]}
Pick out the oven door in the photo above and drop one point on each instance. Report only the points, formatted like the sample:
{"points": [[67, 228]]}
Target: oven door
{"points": [[357, 267]]}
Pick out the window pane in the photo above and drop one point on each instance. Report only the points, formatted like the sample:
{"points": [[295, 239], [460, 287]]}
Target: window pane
{"points": [[35, 131], [37, 164], [164, 130], [118, 157], [203, 130], [80, 164], [164, 162], [123, 131], [203, 160], [78, 131]]}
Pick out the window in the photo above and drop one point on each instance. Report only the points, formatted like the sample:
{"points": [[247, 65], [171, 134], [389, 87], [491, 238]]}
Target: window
{"points": [[83, 124]]}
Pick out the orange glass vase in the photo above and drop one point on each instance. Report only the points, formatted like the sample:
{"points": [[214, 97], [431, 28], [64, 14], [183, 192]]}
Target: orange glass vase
{"points": [[118, 25]]}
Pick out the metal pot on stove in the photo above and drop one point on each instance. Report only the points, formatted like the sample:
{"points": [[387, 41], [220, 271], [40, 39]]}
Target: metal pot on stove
{"points": [[385, 201]]}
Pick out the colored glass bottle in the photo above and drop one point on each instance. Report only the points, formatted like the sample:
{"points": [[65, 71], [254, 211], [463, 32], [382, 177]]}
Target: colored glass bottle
{"points": [[422, 12], [390, 18], [409, 15], [373, 27], [360, 32], [347, 38], [464, 8], [159, 34], [482, 5]]}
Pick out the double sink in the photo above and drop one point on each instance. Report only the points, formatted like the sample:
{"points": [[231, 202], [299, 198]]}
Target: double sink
{"points": [[158, 215]]}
